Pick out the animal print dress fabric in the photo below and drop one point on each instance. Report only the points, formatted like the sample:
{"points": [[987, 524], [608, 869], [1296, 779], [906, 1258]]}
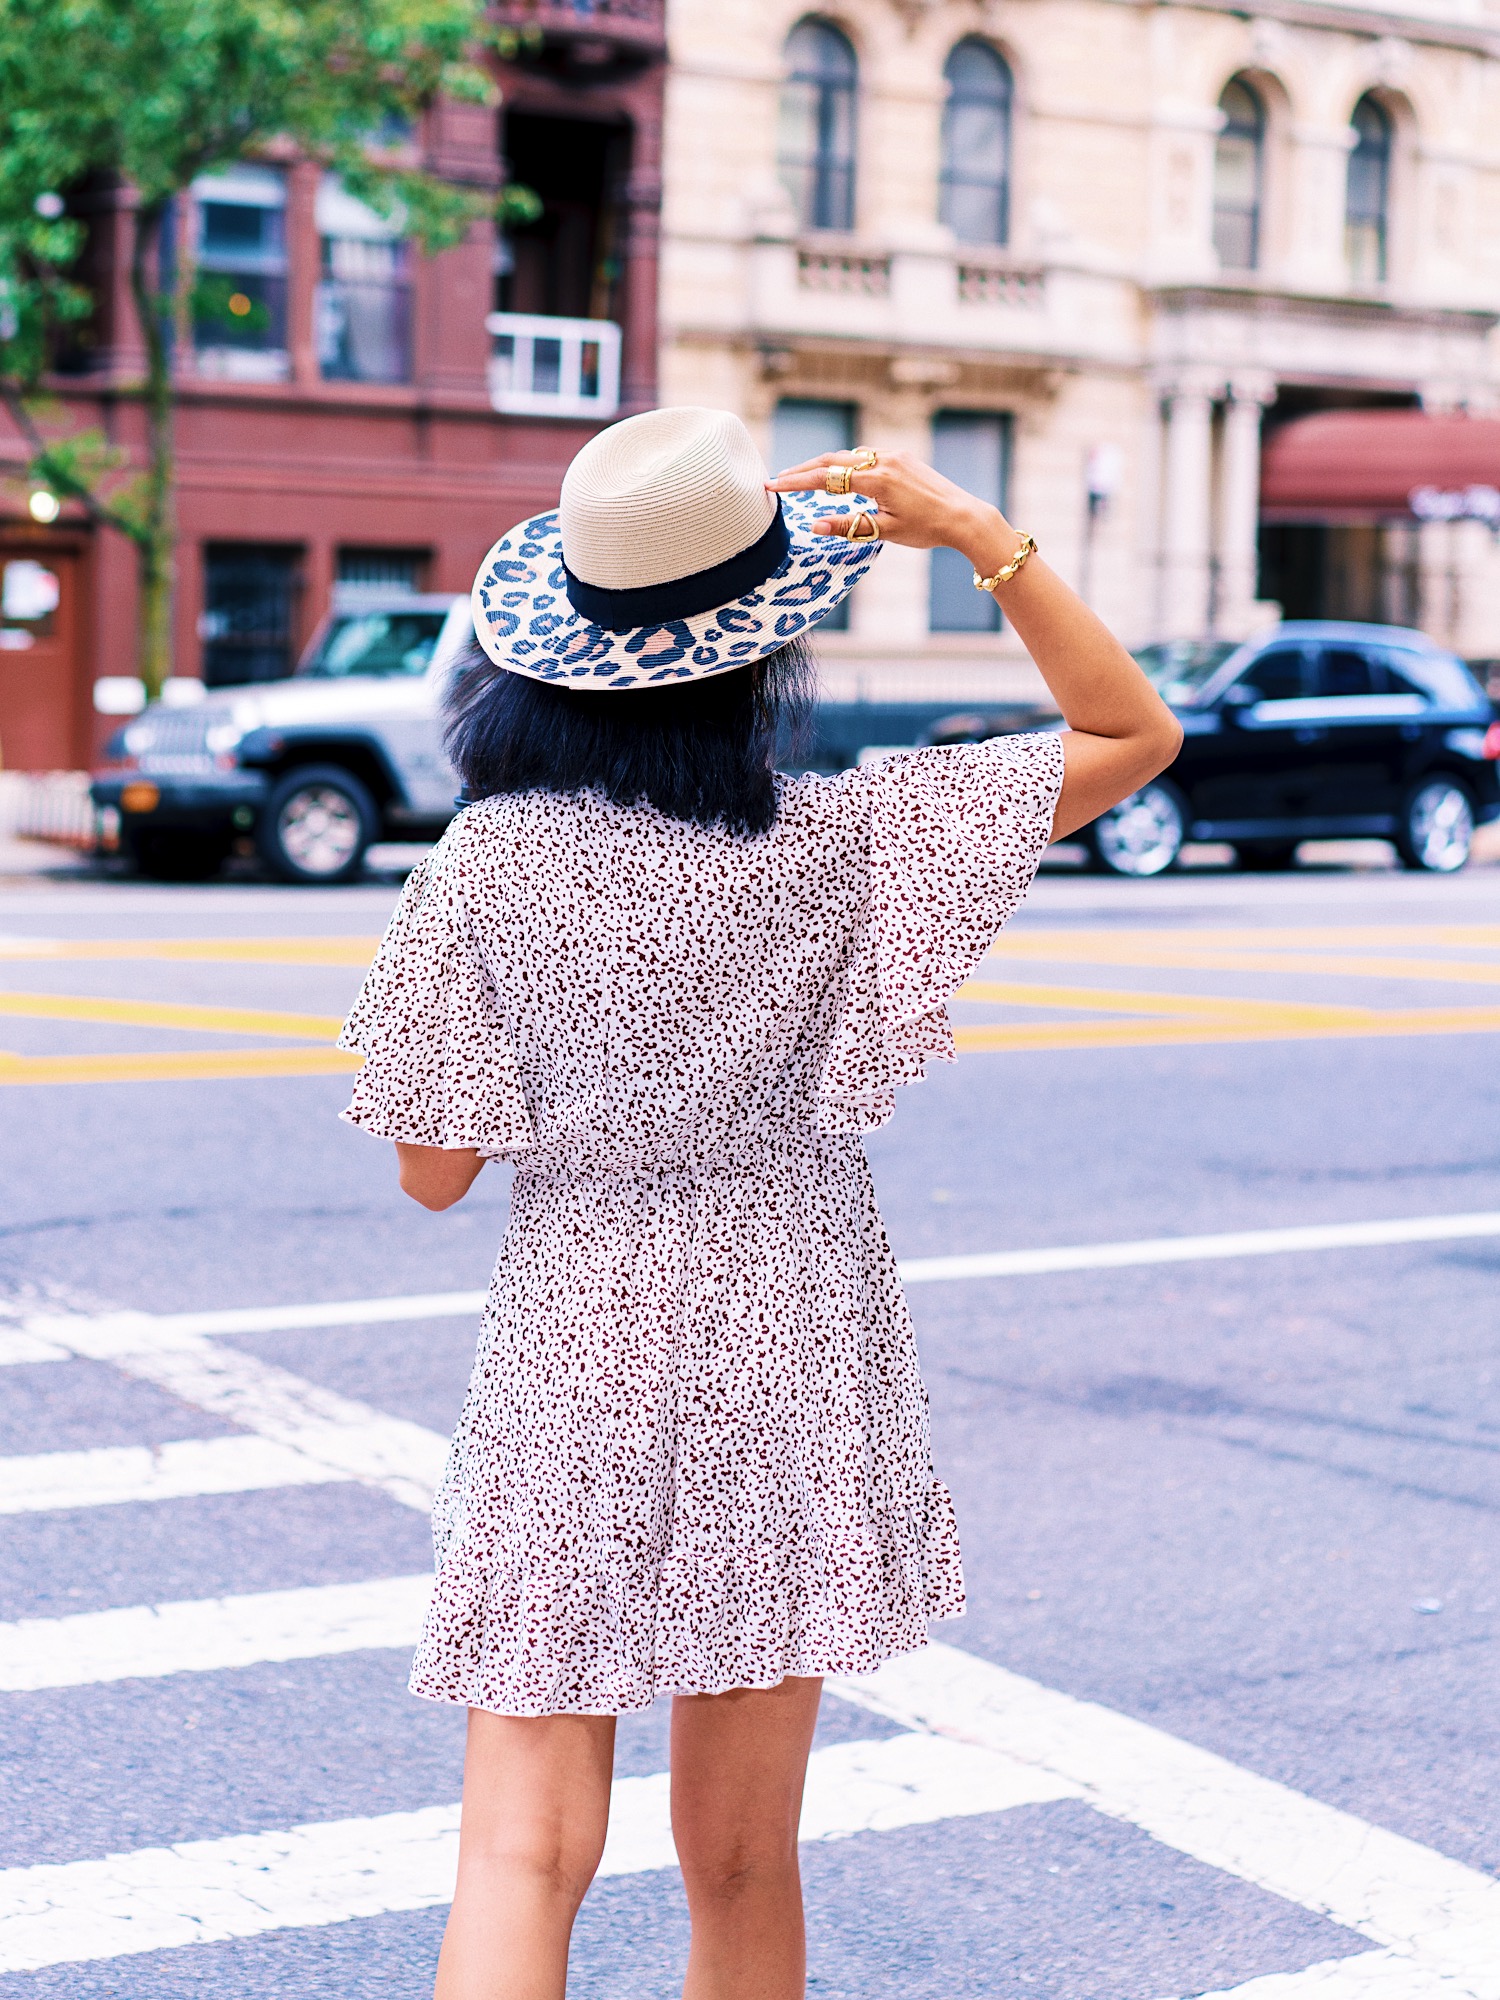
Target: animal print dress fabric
{"points": [[694, 1453]]}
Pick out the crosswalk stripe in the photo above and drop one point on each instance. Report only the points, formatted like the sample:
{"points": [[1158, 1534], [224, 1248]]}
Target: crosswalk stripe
{"points": [[1369, 1975], [112, 1475], [104, 1335], [349, 1439], [342, 1438], [209, 1635], [21, 1348], [1421, 1905], [207, 1891]]}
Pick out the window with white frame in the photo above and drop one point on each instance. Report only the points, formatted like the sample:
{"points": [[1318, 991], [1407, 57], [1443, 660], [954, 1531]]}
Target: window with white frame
{"points": [[239, 297], [364, 290]]}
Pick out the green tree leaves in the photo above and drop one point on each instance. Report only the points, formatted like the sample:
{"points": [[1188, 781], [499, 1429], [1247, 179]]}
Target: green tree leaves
{"points": [[148, 94]]}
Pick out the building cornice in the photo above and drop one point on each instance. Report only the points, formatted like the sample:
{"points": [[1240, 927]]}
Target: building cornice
{"points": [[1380, 23], [1202, 295]]}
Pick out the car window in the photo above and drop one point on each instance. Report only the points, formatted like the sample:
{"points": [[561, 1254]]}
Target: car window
{"points": [[1345, 671], [376, 642], [1437, 677], [1179, 669], [1277, 675]]}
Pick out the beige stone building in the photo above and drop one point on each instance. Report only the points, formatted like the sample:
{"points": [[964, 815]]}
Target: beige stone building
{"points": [[1092, 254]]}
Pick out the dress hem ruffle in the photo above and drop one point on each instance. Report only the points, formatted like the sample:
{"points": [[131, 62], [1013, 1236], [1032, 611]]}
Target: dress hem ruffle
{"points": [[516, 1638]]}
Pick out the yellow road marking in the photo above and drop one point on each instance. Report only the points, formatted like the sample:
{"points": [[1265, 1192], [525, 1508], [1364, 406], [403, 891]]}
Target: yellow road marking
{"points": [[994, 1036], [1107, 1000], [1162, 958], [175, 1066], [1177, 1018], [1312, 937], [356, 951], [170, 1014]]}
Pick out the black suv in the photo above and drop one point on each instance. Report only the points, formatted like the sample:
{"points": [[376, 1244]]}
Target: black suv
{"points": [[1313, 731]]}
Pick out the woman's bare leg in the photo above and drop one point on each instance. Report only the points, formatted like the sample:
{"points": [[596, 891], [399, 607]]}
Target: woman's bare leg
{"points": [[536, 1805], [738, 1765]]}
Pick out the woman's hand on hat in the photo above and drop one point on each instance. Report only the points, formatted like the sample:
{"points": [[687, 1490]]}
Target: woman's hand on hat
{"points": [[915, 505]]}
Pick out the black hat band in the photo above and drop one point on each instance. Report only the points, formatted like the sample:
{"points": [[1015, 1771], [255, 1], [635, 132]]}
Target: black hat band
{"points": [[684, 596]]}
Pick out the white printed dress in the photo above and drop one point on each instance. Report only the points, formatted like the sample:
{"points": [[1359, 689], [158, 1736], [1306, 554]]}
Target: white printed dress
{"points": [[694, 1453]]}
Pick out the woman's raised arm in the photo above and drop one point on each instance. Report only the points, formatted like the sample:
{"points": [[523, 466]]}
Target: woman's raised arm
{"points": [[1120, 733]]}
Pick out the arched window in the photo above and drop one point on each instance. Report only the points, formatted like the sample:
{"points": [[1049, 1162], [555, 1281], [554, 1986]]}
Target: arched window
{"points": [[1237, 177], [815, 149], [1368, 198], [975, 196]]}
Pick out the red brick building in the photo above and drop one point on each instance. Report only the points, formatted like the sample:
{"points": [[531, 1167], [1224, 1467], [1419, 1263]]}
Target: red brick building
{"points": [[351, 410]]}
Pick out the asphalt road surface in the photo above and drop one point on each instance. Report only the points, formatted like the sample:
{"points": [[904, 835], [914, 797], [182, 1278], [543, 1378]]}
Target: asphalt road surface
{"points": [[1221, 1717]]}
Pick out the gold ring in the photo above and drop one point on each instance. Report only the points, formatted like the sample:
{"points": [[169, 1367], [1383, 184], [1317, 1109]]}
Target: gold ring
{"points": [[865, 518], [838, 479], [866, 458]]}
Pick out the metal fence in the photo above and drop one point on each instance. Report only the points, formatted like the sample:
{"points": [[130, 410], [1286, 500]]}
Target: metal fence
{"points": [[48, 805]]}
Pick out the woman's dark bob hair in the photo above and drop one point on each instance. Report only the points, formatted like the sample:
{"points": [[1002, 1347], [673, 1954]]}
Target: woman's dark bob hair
{"points": [[700, 750]]}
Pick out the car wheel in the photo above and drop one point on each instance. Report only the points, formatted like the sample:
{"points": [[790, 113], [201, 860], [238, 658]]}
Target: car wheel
{"points": [[1143, 834], [163, 856], [316, 825], [1437, 827], [1266, 857]]}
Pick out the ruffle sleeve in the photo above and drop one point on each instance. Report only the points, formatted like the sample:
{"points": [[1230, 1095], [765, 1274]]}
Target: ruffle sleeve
{"points": [[439, 1068], [955, 836]]}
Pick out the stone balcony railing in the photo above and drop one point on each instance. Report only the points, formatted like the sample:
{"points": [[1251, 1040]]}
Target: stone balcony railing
{"points": [[939, 296]]}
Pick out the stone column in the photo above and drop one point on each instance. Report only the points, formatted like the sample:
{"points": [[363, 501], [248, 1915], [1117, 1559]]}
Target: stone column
{"points": [[1186, 508], [1239, 505]]}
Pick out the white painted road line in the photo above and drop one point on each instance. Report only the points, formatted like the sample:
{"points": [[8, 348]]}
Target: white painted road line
{"points": [[332, 1435], [206, 1891], [1430, 1911], [1369, 1975], [124, 1330], [19, 1348], [44, 1336], [351, 1440], [207, 1635], [113, 1475], [1196, 1249]]}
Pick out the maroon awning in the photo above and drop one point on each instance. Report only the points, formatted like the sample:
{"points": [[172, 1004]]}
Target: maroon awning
{"points": [[1360, 464]]}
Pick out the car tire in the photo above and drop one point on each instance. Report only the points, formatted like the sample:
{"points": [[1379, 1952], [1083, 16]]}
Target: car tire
{"points": [[1266, 857], [1436, 832], [174, 856], [316, 825], [1143, 834]]}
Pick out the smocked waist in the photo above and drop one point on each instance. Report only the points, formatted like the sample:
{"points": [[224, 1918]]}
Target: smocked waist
{"points": [[779, 1149]]}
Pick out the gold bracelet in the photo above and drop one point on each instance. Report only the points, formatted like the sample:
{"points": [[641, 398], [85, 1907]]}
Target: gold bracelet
{"points": [[1007, 570]]}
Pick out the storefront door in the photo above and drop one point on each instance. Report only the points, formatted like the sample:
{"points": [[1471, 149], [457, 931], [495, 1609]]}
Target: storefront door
{"points": [[40, 680]]}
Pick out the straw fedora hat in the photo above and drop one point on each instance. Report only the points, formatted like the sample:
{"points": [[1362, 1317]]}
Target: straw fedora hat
{"points": [[665, 560]]}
